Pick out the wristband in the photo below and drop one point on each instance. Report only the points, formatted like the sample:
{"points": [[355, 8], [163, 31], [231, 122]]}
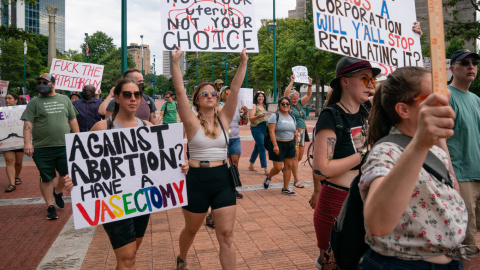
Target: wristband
{"points": [[309, 85], [363, 153]]}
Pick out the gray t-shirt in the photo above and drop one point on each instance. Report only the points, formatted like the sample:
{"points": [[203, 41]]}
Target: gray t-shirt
{"points": [[285, 127], [234, 128]]}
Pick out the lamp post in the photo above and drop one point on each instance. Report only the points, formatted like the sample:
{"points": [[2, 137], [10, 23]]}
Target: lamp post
{"points": [[24, 67], [225, 64], [213, 67], [274, 56], [124, 35], [154, 77], [196, 69], [141, 36], [86, 48]]}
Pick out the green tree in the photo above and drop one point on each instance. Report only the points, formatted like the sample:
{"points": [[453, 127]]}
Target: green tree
{"points": [[99, 46], [112, 68], [458, 26]]}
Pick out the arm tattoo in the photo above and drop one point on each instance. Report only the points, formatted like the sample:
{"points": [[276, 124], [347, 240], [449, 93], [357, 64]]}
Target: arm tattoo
{"points": [[318, 172], [26, 126], [330, 147]]}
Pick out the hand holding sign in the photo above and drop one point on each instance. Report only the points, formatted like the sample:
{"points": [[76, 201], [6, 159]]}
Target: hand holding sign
{"points": [[301, 74]]}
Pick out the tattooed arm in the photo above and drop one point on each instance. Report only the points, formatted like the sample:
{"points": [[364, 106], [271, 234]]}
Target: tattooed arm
{"points": [[27, 138]]}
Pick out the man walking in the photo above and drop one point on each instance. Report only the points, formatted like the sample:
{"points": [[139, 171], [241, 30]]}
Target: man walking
{"points": [[464, 145], [47, 119], [87, 108], [168, 112]]}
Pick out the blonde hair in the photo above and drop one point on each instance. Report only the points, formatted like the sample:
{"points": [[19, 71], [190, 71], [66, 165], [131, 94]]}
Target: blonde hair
{"points": [[203, 122]]}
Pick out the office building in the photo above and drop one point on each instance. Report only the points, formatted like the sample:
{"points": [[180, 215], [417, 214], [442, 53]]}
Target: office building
{"points": [[136, 51], [299, 11], [167, 70]]}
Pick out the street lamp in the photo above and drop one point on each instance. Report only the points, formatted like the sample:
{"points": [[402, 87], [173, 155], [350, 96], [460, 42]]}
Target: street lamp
{"points": [[213, 67], [225, 64], [141, 36], [274, 56], [124, 36], [86, 48], [154, 77]]}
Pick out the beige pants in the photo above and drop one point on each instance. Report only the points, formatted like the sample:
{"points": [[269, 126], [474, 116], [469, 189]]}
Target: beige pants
{"points": [[470, 192]]}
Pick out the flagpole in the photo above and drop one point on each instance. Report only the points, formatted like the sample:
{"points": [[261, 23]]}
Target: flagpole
{"points": [[86, 47], [24, 68]]}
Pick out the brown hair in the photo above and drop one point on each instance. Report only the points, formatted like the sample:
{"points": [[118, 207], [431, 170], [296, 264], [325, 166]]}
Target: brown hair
{"points": [[169, 93], [203, 122], [128, 73], [402, 85], [280, 101], [117, 91]]}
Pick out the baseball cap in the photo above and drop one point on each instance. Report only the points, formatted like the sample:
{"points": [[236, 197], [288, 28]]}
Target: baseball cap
{"points": [[218, 81], [47, 77], [461, 54]]}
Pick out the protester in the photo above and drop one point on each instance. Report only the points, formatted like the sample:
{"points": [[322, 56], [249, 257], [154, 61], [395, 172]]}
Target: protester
{"points": [[258, 124], [47, 118], [147, 108], [13, 158], [22, 101], [168, 112], [208, 181], [464, 146], [300, 115], [282, 130], [338, 151], [405, 231], [218, 84], [87, 108], [74, 96]]}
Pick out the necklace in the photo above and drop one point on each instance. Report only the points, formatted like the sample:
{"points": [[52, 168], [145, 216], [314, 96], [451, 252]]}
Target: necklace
{"points": [[345, 107]]}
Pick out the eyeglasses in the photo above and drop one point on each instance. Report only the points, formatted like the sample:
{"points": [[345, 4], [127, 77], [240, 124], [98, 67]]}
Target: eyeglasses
{"points": [[418, 98], [205, 93], [128, 95], [366, 79], [466, 63], [285, 103], [44, 82]]}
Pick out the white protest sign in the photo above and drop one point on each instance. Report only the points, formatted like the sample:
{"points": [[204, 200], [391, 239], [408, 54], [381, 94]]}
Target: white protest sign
{"points": [[123, 173], [385, 71], [73, 76], [11, 128], [245, 98], [374, 30], [213, 26], [301, 74], [3, 88]]}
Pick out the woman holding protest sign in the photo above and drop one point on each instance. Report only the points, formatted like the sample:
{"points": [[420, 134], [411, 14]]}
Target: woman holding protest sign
{"points": [[209, 182], [13, 158], [299, 113], [340, 143], [125, 235], [258, 117], [424, 230]]}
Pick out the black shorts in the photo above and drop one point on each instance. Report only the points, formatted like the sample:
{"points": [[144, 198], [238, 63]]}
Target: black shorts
{"points": [[49, 161], [209, 187], [126, 231], [287, 150]]}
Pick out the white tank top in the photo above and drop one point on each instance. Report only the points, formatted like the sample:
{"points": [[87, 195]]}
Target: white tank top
{"points": [[202, 147]]}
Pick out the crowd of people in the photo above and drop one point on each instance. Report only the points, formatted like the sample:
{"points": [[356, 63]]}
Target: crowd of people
{"points": [[413, 219]]}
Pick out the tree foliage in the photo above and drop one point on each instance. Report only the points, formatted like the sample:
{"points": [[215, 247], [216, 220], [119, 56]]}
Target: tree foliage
{"points": [[112, 68], [99, 45], [457, 25]]}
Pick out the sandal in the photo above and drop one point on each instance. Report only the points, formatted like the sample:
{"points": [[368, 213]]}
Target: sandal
{"points": [[251, 168], [18, 181], [10, 188], [298, 184]]}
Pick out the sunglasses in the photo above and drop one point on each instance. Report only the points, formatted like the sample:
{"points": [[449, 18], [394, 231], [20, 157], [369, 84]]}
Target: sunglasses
{"points": [[285, 103], [205, 93], [45, 83], [261, 92], [128, 95], [365, 79], [167, 97], [419, 98], [468, 62], [227, 92]]}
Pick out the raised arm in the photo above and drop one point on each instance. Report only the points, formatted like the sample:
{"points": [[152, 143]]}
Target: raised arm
{"points": [[307, 97], [186, 114], [290, 86], [228, 111]]}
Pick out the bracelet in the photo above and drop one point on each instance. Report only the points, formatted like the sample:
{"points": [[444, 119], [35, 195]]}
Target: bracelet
{"points": [[362, 153], [309, 85]]}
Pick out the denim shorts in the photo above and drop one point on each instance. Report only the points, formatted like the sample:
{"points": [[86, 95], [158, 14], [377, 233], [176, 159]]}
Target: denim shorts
{"points": [[234, 146]]}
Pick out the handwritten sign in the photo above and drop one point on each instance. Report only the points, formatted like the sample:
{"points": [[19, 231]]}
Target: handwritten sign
{"points": [[123, 173], [209, 25], [374, 30], [3, 88], [301, 74], [245, 98], [11, 128], [73, 76]]}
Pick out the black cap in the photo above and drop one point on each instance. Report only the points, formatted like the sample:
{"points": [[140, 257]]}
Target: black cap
{"points": [[461, 54]]}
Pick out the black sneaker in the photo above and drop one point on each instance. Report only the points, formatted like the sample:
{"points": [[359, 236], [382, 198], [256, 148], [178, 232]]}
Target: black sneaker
{"points": [[288, 191], [266, 183], [58, 199], [181, 264], [51, 213], [318, 263], [238, 195], [209, 221]]}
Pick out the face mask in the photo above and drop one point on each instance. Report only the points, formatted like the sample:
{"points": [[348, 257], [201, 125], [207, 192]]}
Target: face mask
{"points": [[141, 86], [44, 89], [85, 95]]}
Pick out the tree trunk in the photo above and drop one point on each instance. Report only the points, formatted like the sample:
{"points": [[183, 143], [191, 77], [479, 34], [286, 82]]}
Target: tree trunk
{"points": [[317, 96], [322, 82]]}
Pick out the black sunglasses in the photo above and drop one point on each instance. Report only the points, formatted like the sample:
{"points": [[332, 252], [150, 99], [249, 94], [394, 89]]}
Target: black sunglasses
{"points": [[285, 103], [44, 82], [468, 62], [127, 94]]}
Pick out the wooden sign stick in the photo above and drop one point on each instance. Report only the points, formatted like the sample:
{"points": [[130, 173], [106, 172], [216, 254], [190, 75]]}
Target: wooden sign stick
{"points": [[437, 47]]}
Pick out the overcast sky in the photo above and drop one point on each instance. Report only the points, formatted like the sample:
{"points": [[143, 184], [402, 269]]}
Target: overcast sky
{"points": [[143, 18]]}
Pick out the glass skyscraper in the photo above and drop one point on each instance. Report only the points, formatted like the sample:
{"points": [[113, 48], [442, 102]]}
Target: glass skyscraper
{"points": [[59, 21], [32, 17]]}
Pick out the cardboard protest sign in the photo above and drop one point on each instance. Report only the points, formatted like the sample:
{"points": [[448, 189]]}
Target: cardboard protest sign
{"points": [[301, 74], [123, 173], [73, 76], [11, 128], [3, 88], [245, 98], [374, 30], [209, 25]]}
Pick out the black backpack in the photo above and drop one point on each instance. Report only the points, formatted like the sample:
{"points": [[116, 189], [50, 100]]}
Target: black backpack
{"points": [[347, 238], [267, 142]]}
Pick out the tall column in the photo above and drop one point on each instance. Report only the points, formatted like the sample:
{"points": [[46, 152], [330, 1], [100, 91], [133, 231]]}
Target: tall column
{"points": [[52, 47]]}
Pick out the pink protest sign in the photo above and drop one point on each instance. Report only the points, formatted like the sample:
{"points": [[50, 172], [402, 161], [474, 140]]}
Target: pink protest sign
{"points": [[73, 76]]}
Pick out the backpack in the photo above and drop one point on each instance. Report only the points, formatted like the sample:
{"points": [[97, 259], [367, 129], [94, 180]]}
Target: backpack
{"points": [[341, 126], [267, 142], [347, 238]]}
